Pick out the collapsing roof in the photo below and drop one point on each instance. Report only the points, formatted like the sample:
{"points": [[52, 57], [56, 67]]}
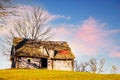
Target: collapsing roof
{"points": [[31, 48]]}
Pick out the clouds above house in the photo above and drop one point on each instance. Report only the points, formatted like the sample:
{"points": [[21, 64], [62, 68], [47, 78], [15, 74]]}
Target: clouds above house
{"points": [[90, 38], [22, 11]]}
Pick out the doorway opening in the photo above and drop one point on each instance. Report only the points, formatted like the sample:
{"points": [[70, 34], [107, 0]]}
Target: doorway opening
{"points": [[43, 62]]}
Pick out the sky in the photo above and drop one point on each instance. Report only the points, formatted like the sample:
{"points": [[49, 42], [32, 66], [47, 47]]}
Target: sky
{"points": [[91, 27]]}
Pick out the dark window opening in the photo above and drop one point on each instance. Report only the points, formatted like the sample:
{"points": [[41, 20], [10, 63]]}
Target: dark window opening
{"points": [[44, 62], [55, 53], [29, 60]]}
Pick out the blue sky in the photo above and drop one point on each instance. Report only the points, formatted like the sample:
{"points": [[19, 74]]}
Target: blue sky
{"points": [[91, 27], [105, 10]]}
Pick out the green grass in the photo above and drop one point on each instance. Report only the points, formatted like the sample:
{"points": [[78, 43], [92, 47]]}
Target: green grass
{"points": [[36, 74]]}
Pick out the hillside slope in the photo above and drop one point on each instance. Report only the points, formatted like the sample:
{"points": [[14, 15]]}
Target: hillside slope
{"points": [[28, 74]]}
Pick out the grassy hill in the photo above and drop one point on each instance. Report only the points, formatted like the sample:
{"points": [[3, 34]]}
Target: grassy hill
{"points": [[29, 74]]}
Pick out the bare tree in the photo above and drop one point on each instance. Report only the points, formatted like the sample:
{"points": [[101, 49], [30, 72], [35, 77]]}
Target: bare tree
{"points": [[96, 67], [114, 69], [4, 4], [7, 9], [93, 65], [77, 65], [81, 67], [101, 65], [32, 25]]}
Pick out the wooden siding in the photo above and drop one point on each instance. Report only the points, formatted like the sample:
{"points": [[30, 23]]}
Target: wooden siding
{"points": [[62, 65], [26, 62], [35, 63]]}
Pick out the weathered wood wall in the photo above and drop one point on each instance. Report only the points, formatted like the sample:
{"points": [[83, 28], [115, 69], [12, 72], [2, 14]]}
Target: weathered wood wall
{"points": [[62, 65], [49, 64], [35, 63], [24, 63]]}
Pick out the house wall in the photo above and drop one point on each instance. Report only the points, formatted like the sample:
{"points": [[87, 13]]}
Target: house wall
{"points": [[35, 63], [63, 65], [25, 62], [51, 53], [49, 64]]}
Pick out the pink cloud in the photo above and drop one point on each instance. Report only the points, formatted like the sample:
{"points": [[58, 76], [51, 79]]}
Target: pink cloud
{"points": [[91, 33], [86, 50], [62, 30], [90, 38], [61, 33], [115, 52]]}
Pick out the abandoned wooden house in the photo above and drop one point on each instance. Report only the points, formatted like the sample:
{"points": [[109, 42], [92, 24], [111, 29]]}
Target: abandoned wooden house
{"points": [[31, 53]]}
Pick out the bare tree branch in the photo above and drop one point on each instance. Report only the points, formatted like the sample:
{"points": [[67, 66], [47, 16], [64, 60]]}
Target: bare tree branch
{"points": [[114, 69], [4, 4], [83, 66], [93, 65], [101, 65], [32, 25]]}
